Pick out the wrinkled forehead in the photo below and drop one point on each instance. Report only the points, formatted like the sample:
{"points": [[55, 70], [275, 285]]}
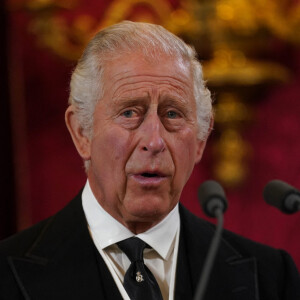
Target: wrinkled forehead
{"points": [[137, 63], [134, 71], [151, 56]]}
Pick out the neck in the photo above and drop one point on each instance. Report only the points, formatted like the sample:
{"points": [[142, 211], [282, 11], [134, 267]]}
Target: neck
{"points": [[139, 227]]}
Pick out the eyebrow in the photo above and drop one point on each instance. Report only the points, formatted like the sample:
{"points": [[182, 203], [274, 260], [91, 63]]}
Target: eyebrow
{"points": [[179, 102], [172, 99], [164, 100], [126, 101]]}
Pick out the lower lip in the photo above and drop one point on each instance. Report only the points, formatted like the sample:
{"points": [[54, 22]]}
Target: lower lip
{"points": [[149, 181]]}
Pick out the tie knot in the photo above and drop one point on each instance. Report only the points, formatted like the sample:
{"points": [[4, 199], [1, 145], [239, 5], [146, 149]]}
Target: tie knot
{"points": [[133, 247]]}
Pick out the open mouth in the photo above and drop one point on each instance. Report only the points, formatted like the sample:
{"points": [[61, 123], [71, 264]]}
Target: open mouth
{"points": [[150, 178], [149, 175]]}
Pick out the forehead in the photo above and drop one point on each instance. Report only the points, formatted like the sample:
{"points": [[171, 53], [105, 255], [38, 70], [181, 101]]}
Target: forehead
{"points": [[135, 73]]}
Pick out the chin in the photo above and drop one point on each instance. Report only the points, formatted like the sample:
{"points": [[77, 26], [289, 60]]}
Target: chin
{"points": [[153, 209]]}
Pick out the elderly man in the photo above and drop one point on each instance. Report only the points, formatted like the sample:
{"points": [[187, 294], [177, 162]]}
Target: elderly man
{"points": [[139, 117]]}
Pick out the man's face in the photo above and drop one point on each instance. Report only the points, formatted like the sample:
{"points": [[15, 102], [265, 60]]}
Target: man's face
{"points": [[144, 143]]}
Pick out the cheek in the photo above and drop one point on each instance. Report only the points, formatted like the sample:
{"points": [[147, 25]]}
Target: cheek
{"points": [[111, 149], [185, 158]]}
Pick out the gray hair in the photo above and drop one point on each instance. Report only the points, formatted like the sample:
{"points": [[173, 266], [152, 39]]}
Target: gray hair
{"points": [[86, 86]]}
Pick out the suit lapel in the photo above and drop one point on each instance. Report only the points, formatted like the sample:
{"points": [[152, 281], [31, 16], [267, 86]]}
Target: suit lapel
{"points": [[110, 289], [62, 262], [183, 283], [233, 277]]}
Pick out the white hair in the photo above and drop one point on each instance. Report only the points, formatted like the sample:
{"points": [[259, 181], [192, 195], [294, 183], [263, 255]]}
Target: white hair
{"points": [[86, 87]]}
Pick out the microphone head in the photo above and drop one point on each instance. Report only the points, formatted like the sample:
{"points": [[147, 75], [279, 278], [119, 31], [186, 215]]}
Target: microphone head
{"points": [[282, 195], [211, 196]]}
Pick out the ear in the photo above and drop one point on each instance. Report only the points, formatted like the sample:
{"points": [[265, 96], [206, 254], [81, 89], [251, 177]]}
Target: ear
{"points": [[80, 140], [200, 148], [201, 144]]}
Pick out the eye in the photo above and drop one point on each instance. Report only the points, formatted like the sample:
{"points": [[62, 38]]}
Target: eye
{"points": [[172, 114], [128, 113]]}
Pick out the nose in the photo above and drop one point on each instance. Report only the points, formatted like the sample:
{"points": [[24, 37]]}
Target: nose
{"points": [[152, 140]]}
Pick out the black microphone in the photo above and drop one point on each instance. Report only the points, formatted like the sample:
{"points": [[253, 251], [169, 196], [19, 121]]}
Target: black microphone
{"points": [[214, 203], [283, 196], [212, 196]]}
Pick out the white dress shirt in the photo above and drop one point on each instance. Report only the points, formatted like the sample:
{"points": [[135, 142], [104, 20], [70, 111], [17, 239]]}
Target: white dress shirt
{"points": [[163, 238]]}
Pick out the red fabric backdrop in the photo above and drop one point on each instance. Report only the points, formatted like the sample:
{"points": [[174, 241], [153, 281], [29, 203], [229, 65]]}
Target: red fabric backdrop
{"points": [[50, 172]]}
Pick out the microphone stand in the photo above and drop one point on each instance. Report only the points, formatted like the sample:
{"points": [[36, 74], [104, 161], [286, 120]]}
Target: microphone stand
{"points": [[211, 254]]}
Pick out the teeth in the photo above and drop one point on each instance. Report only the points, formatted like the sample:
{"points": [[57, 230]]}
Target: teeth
{"points": [[149, 175]]}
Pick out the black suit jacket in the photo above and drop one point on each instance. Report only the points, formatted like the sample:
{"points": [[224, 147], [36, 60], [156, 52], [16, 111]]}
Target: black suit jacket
{"points": [[57, 259]]}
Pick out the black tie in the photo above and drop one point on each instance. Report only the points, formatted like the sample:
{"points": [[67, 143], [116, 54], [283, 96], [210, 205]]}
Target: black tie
{"points": [[139, 282]]}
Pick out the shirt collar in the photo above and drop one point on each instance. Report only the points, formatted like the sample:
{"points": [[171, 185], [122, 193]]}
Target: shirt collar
{"points": [[109, 231]]}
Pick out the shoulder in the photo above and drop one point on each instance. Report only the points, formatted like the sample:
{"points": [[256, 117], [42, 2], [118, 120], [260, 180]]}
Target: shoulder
{"points": [[197, 227], [275, 268], [21, 242], [276, 274], [267, 258]]}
